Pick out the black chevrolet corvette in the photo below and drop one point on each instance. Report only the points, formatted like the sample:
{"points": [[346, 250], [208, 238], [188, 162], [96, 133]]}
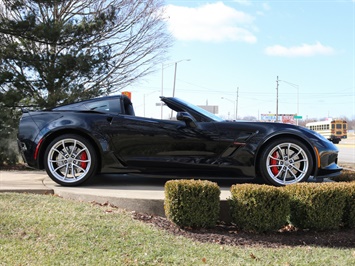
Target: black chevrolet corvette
{"points": [[102, 135]]}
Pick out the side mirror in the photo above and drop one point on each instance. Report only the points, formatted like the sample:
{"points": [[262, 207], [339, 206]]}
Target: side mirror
{"points": [[187, 118]]}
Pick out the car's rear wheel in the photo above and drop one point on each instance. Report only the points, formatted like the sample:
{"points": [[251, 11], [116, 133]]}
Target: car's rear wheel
{"points": [[285, 161], [70, 160]]}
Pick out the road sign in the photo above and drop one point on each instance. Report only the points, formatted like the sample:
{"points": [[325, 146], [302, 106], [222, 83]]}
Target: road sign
{"points": [[297, 117]]}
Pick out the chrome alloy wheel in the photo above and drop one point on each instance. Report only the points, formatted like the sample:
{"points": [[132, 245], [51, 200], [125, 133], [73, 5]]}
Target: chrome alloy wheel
{"points": [[69, 160], [287, 163]]}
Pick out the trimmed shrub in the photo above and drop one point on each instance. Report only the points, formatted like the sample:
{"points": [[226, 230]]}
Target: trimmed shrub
{"points": [[316, 206], [349, 210], [258, 208], [192, 203]]}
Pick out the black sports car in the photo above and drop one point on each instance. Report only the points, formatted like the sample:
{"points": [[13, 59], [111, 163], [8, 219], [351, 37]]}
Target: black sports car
{"points": [[76, 141]]}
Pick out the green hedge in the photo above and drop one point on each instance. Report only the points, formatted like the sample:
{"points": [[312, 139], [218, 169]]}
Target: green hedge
{"points": [[261, 208], [192, 203], [349, 210], [258, 208], [316, 206]]}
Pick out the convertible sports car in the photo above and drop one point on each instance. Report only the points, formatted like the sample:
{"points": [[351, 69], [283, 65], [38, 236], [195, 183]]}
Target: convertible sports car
{"points": [[75, 142]]}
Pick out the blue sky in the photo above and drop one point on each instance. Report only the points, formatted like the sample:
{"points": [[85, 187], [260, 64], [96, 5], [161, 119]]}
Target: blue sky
{"points": [[244, 45]]}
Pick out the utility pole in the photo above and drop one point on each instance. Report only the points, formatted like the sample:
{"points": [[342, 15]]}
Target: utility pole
{"points": [[277, 98], [236, 107], [162, 90]]}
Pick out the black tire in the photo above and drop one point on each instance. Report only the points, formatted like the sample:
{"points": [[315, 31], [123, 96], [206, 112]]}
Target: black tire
{"points": [[70, 160], [285, 161]]}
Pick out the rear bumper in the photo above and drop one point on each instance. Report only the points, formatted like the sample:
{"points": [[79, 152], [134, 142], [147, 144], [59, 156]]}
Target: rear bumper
{"points": [[22, 149], [26, 150]]}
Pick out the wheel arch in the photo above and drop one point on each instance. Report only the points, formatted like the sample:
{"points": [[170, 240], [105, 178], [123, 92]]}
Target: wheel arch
{"points": [[49, 138], [288, 135]]}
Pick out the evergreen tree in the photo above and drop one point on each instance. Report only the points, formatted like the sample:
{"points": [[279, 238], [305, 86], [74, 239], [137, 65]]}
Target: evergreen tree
{"points": [[8, 130], [58, 51]]}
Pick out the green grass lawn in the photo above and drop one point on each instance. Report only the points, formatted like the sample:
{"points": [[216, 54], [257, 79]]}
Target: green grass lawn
{"points": [[48, 230]]}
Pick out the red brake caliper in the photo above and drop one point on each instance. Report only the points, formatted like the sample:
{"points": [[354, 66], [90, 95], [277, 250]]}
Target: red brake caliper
{"points": [[273, 161], [83, 157]]}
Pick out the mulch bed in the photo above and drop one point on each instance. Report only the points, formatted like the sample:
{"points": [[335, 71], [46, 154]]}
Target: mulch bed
{"points": [[225, 234]]}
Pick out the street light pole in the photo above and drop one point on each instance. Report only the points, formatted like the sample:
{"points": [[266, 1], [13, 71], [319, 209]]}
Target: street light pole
{"points": [[162, 81], [175, 73], [175, 79]]}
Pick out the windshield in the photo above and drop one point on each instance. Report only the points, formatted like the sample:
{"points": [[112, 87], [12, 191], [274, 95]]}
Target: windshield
{"points": [[201, 111]]}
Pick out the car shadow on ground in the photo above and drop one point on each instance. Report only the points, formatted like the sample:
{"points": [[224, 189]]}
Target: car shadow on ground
{"points": [[157, 180], [115, 180]]}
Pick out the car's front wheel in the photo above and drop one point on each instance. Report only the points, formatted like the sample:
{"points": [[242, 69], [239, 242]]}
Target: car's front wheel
{"points": [[285, 161], [70, 160]]}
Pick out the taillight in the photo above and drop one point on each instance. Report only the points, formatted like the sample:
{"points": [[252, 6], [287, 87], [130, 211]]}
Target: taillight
{"points": [[37, 149]]}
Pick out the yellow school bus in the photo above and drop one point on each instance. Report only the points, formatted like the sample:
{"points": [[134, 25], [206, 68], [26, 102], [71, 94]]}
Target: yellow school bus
{"points": [[332, 129]]}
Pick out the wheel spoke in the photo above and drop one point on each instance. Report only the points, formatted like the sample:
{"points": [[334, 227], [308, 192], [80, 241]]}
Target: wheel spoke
{"points": [[298, 170], [293, 174], [285, 176], [73, 171], [66, 171], [79, 168], [73, 149], [280, 172], [295, 154], [301, 160], [81, 151], [59, 167], [288, 151], [279, 151], [274, 158]]}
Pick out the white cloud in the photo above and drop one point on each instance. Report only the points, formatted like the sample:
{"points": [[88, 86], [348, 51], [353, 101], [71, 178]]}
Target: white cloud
{"points": [[304, 50], [211, 22]]}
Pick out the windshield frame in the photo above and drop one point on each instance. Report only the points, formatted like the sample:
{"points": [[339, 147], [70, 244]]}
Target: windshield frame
{"points": [[179, 105]]}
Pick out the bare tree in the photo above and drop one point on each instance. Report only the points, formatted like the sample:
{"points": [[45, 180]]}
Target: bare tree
{"points": [[57, 51]]}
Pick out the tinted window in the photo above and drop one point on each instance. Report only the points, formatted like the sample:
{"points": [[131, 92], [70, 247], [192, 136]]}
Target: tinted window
{"points": [[106, 106], [102, 106]]}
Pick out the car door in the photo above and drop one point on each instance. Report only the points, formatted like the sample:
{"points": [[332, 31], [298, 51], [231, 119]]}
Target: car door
{"points": [[153, 143]]}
